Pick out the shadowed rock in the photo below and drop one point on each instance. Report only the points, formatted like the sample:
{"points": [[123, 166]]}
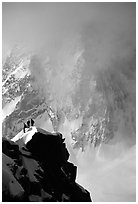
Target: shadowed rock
{"points": [[40, 170]]}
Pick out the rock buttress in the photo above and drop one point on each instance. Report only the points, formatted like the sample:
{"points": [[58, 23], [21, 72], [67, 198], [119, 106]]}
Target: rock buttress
{"points": [[41, 171]]}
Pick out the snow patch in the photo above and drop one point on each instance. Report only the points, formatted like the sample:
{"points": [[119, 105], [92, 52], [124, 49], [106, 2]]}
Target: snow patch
{"points": [[22, 138], [9, 108]]}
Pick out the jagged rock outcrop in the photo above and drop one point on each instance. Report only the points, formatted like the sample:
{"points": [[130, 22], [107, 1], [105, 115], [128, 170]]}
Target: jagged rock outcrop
{"points": [[36, 168]]}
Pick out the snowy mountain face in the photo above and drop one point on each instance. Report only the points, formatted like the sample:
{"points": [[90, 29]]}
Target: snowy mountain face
{"points": [[15, 76], [102, 99], [18, 93], [112, 106]]}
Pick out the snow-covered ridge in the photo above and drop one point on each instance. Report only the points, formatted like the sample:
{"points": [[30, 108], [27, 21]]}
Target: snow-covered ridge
{"points": [[22, 137]]}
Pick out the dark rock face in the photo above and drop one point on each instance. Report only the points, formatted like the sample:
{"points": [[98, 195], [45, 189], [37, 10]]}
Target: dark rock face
{"points": [[40, 171]]}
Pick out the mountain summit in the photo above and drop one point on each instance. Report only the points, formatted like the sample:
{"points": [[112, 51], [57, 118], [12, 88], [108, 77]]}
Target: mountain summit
{"points": [[36, 168]]}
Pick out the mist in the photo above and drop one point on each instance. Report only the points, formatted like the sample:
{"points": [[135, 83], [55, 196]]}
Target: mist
{"points": [[84, 62]]}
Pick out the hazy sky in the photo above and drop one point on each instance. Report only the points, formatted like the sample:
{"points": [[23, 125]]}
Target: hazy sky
{"points": [[39, 25]]}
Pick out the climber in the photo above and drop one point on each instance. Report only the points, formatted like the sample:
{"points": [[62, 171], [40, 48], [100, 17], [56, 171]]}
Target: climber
{"points": [[24, 126], [28, 123], [32, 122]]}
